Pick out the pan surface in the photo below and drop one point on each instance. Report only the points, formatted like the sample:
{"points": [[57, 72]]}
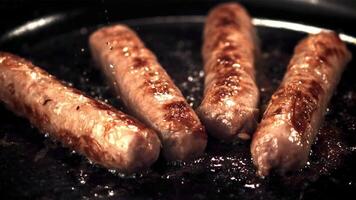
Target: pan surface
{"points": [[34, 167]]}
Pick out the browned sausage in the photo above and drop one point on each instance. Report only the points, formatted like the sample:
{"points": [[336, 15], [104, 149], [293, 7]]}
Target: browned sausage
{"points": [[104, 135], [146, 89], [283, 139], [231, 95]]}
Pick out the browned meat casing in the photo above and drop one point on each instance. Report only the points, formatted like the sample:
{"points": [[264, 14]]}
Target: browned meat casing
{"points": [[96, 130], [295, 112], [231, 95], [148, 91]]}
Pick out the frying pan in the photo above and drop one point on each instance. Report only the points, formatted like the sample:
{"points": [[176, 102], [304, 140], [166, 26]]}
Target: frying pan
{"points": [[34, 167]]}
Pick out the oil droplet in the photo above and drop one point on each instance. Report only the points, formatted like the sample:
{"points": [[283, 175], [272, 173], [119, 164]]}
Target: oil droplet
{"points": [[252, 186], [201, 73], [111, 193]]}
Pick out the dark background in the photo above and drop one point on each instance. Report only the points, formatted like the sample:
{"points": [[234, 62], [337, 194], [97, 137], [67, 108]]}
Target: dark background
{"points": [[335, 14]]}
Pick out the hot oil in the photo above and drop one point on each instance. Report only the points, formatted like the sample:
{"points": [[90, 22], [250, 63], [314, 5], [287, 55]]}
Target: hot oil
{"points": [[34, 166]]}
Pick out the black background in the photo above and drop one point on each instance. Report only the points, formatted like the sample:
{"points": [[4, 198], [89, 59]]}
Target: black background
{"points": [[335, 14]]}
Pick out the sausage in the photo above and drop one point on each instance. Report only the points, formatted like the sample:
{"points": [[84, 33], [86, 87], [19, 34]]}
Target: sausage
{"points": [[98, 131], [295, 112], [231, 96], [148, 91]]}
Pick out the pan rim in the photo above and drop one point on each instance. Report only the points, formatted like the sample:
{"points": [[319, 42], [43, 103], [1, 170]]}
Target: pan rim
{"points": [[43, 22]]}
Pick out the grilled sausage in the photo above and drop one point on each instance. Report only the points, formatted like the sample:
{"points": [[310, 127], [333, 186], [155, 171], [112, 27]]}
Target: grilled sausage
{"points": [[295, 112], [104, 135], [231, 95], [148, 91]]}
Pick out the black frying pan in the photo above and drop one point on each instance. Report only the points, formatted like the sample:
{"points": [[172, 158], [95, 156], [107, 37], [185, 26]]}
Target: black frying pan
{"points": [[34, 167]]}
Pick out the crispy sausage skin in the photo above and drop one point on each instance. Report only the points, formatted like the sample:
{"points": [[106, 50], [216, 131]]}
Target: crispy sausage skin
{"points": [[96, 130], [148, 91], [231, 95], [295, 112]]}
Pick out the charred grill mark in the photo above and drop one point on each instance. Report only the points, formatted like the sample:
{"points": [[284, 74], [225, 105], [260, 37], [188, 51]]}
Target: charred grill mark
{"points": [[139, 62], [179, 111], [303, 101], [160, 88], [227, 21], [315, 89], [334, 51], [277, 106], [230, 81], [231, 57], [278, 111], [311, 59], [46, 101], [302, 109], [225, 60], [227, 73], [155, 85], [323, 51], [220, 94], [155, 81], [228, 78]]}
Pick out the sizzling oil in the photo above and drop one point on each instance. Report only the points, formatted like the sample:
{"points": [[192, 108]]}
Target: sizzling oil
{"points": [[33, 166]]}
